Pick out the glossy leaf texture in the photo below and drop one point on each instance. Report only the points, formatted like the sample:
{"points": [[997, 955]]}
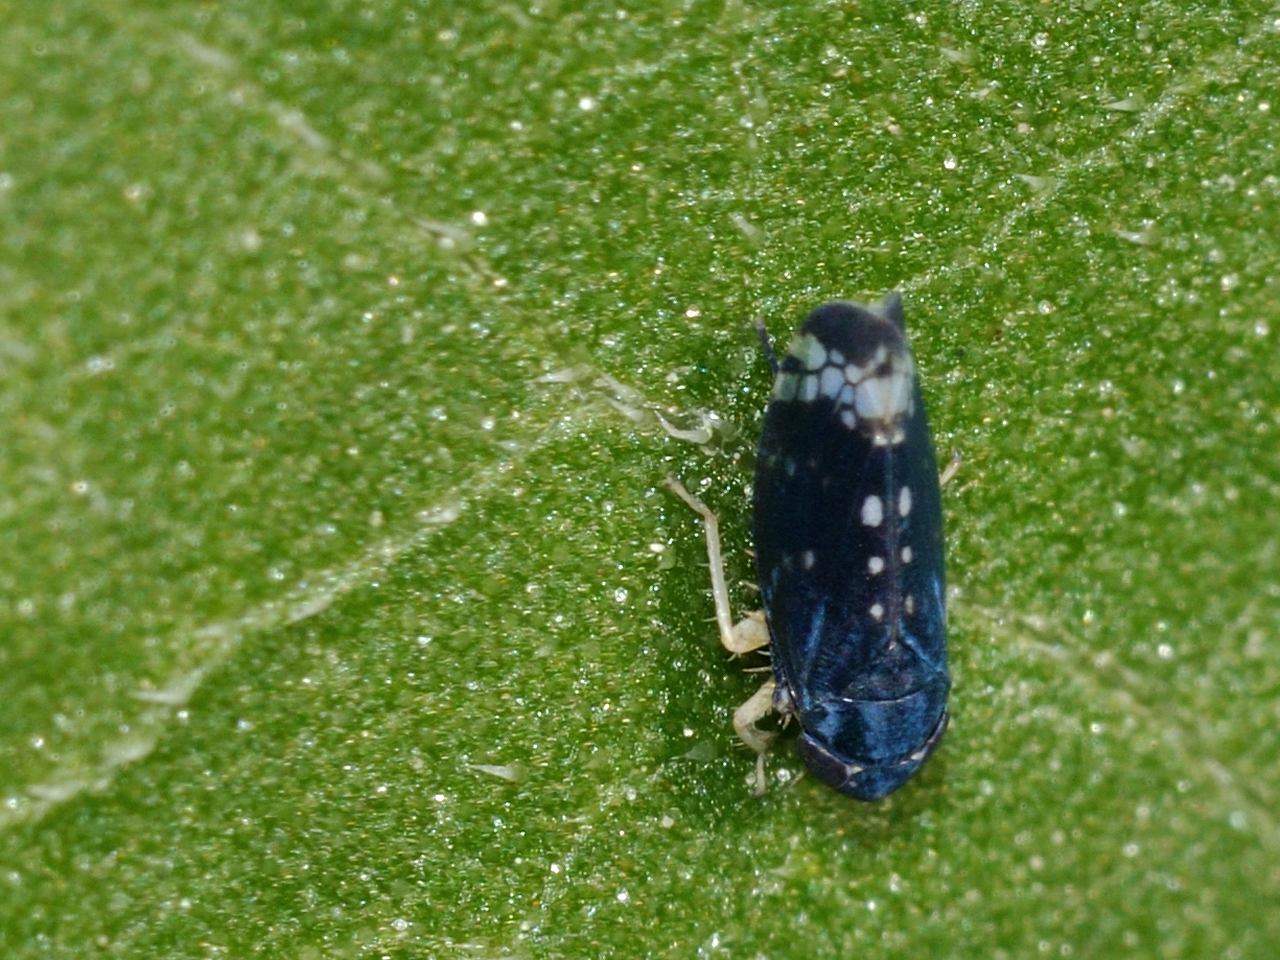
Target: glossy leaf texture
{"points": [[342, 611]]}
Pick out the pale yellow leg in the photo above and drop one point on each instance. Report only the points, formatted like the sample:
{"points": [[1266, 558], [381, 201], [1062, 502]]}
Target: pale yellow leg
{"points": [[751, 632], [748, 634], [757, 706], [951, 469]]}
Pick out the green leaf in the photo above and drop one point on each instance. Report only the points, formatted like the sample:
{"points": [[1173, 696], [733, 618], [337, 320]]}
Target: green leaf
{"points": [[342, 612]]}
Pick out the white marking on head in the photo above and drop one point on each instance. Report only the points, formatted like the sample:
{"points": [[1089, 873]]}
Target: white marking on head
{"points": [[875, 564], [906, 554], [809, 350], [904, 501], [872, 511], [808, 387], [884, 397], [785, 386], [877, 612], [807, 559], [830, 381]]}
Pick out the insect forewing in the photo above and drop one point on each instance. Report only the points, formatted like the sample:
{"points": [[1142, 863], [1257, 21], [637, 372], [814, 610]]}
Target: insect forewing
{"points": [[848, 533]]}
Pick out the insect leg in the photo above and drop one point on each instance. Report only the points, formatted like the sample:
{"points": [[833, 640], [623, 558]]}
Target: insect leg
{"points": [[951, 469], [749, 633], [757, 706]]}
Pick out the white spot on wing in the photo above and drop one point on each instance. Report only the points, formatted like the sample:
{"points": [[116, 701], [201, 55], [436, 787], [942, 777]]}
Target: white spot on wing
{"points": [[877, 612], [872, 511], [875, 564], [904, 501], [809, 388], [906, 554], [807, 559]]}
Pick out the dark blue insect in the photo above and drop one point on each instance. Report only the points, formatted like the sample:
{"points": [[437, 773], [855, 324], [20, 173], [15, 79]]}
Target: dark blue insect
{"points": [[848, 531], [849, 553]]}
